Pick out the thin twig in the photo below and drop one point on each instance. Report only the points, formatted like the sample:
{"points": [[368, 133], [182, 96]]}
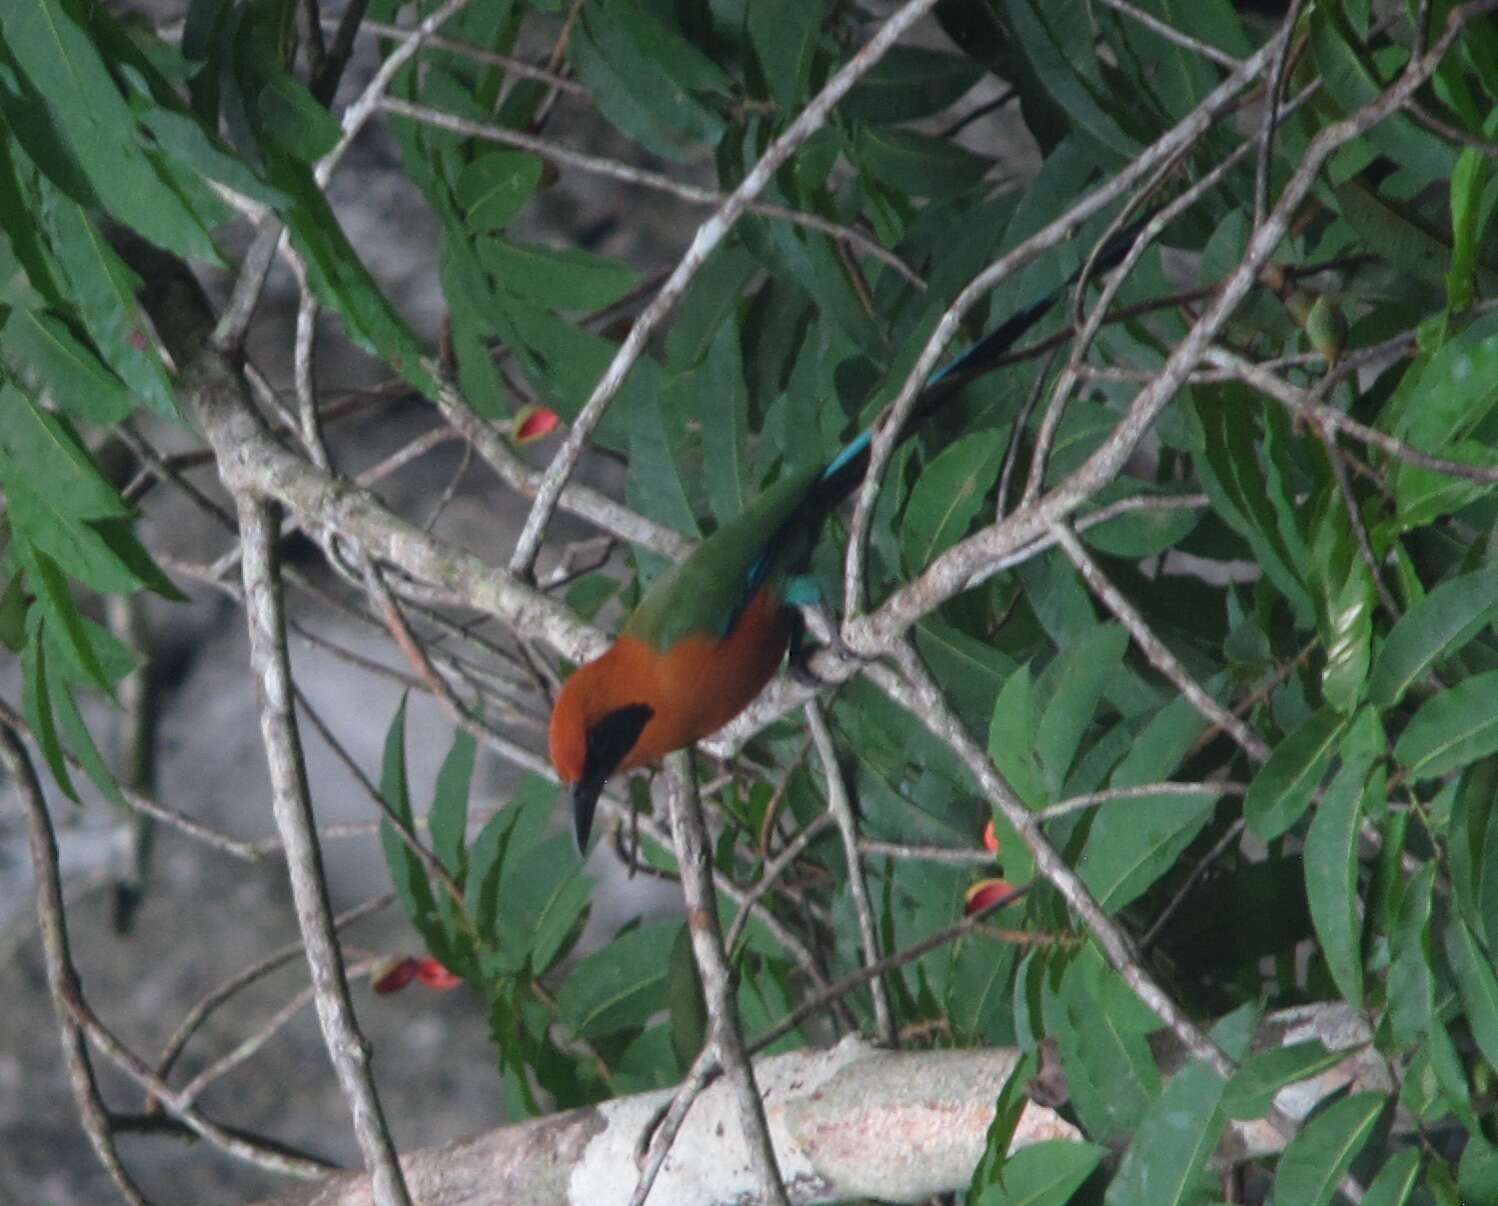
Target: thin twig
{"points": [[369, 100], [842, 811], [1143, 791], [293, 812], [626, 173], [694, 859], [1203, 50], [62, 976], [1155, 650], [205, 1007]]}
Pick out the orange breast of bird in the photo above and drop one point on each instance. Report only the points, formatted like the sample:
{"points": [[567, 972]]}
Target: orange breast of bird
{"points": [[694, 688]]}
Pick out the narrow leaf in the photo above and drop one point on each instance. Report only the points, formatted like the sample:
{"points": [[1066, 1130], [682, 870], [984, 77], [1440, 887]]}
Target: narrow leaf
{"points": [[1477, 985], [36, 702], [1048, 1173], [1452, 729], [1321, 1154], [949, 495], [1169, 1151], [1437, 626], [1252, 1090], [449, 815], [1331, 868], [1395, 1181], [621, 986], [103, 289], [1281, 791], [53, 362]]}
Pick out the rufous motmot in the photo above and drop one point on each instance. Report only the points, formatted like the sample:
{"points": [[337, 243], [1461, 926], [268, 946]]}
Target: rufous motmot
{"points": [[711, 631]]}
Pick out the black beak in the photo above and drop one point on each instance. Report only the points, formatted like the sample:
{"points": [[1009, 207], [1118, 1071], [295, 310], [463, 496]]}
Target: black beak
{"points": [[584, 801], [609, 740]]}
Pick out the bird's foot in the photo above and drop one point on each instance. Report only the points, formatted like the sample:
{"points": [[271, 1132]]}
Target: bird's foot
{"points": [[801, 651]]}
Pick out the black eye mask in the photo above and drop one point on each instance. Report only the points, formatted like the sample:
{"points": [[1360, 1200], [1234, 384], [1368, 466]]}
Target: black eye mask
{"points": [[608, 742]]}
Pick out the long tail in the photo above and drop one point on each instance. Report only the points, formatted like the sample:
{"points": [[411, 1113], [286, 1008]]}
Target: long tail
{"points": [[846, 470]]}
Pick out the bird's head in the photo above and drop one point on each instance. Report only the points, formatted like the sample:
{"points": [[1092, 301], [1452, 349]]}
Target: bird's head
{"points": [[593, 729]]}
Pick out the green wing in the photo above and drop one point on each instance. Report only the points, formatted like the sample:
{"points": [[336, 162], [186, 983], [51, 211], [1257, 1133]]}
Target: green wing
{"points": [[706, 591]]}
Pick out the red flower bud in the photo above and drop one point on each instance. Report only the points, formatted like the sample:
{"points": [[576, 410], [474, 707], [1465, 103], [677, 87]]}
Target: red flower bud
{"points": [[984, 893], [532, 423], [394, 975]]}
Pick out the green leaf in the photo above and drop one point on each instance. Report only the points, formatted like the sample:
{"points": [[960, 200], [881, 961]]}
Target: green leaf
{"points": [[68, 627], [1352, 82], [915, 163], [495, 187], [1134, 842], [1011, 745], [1410, 990], [449, 815], [784, 36], [103, 289], [1435, 627], [540, 894], [1252, 1090], [1331, 867], [1047, 1173], [43, 350], [1281, 791], [1052, 36], [1077, 679], [621, 986], [1141, 533], [184, 139], [1452, 729], [1319, 1157], [61, 62], [1477, 985], [1008, 1109], [406, 871], [1457, 390], [908, 83], [36, 702], [1472, 849], [288, 115], [1112, 1077], [713, 301], [646, 79], [1169, 1151], [341, 281], [1345, 598], [687, 1005], [1396, 230], [1477, 1174], [77, 546], [970, 670], [43, 448], [949, 495], [565, 278], [562, 912], [1228, 463], [1468, 180], [81, 741], [655, 484], [1395, 1181], [723, 406]]}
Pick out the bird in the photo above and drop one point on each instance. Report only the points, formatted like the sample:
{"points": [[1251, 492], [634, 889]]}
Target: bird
{"points": [[710, 632]]}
